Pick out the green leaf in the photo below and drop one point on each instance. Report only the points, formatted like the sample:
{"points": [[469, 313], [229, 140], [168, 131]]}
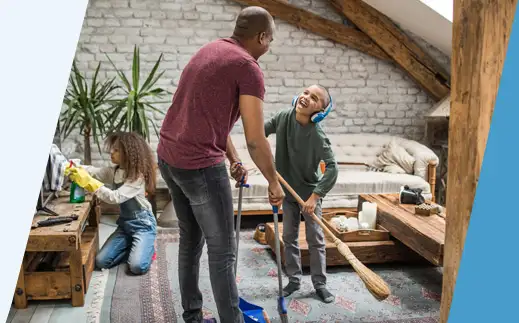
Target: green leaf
{"points": [[157, 92], [156, 79], [143, 122], [128, 112], [121, 74], [157, 133], [136, 68], [148, 83], [155, 109], [94, 80]]}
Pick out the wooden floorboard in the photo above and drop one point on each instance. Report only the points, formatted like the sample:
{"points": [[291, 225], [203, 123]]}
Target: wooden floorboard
{"points": [[10, 316], [24, 315], [42, 313]]}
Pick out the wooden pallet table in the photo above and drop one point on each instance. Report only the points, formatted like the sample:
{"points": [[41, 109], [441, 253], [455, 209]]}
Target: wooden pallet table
{"points": [[424, 234], [368, 252], [66, 251]]}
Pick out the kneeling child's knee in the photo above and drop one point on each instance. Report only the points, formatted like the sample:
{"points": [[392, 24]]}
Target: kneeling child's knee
{"points": [[102, 263], [138, 268]]}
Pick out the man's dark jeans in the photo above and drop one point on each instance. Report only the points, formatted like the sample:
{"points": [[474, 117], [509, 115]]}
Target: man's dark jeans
{"points": [[203, 202]]}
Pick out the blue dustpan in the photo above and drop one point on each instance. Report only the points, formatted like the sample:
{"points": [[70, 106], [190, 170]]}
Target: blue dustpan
{"points": [[251, 313]]}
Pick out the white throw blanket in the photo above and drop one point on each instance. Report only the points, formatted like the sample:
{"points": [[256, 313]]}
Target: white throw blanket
{"points": [[56, 170]]}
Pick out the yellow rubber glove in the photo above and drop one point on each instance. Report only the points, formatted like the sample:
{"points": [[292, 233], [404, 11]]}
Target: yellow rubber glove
{"points": [[68, 169], [83, 179]]}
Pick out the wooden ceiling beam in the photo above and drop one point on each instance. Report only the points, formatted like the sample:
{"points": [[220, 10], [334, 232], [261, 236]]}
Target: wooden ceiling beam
{"points": [[397, 45], [305, 19]]}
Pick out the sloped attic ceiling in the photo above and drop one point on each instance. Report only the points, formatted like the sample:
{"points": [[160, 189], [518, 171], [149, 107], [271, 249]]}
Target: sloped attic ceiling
{"points": [[440, 110], [428, 19]]}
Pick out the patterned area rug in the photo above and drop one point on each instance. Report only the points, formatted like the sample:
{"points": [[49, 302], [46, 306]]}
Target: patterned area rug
{"points": [[145, 298], [149, 298]]}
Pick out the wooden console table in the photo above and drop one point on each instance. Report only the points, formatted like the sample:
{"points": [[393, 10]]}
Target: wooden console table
{"points": [[67, 252], [423, 234]]}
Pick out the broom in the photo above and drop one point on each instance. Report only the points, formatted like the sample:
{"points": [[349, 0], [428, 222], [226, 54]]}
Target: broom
{"points": [[375, 285]]}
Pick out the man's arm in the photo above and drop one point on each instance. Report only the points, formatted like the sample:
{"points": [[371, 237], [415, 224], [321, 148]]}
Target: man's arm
{"points": [[251, 110], [232, 154]]}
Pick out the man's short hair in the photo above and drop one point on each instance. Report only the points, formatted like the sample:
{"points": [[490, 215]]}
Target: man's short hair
{"points": [[252, 21]]}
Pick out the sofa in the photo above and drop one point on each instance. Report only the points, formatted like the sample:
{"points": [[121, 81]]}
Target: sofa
{"points": [[364, 167], [360, 170]]}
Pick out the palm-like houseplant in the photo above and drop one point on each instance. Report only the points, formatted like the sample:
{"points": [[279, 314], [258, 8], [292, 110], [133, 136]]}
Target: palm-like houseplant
{"points": [[130, 112], [87, 108]]}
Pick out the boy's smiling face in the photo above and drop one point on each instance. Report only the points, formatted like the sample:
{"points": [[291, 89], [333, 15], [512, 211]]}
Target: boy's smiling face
{"points": [[312, 100]]}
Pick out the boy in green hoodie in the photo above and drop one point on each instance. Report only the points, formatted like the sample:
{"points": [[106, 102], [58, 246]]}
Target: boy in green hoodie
{"points": [[301, 145]]}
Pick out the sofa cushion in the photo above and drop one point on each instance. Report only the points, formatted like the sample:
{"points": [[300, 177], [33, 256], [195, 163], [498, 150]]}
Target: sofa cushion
{"points": [[366, 148], [395, 159]]}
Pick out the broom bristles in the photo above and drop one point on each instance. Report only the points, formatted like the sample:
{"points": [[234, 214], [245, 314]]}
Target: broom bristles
{"points": [[375, 285]]}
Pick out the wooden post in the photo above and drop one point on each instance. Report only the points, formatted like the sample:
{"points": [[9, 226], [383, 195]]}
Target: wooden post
{"points": [[481, 29]]}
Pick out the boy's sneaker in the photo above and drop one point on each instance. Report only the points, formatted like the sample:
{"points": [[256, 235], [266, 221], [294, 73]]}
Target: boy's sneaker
{"points": [[325, 295], [290, 288]]}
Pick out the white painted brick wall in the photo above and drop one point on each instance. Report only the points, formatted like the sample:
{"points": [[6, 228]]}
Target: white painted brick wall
{"points": [[371, 96]]}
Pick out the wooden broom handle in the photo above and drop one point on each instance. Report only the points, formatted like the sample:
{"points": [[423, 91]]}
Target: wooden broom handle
{"points": [[301, 202]]}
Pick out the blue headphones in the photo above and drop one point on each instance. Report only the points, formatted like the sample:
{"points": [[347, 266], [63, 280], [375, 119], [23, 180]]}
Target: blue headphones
{"points": [[319, 116]]}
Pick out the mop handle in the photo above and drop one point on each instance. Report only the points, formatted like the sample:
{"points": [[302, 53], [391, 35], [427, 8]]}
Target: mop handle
{"points": [[278, 248], [238, 220]]}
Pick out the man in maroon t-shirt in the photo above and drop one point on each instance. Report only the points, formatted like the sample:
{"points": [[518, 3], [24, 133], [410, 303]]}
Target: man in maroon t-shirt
{"points": [[222, 82]]}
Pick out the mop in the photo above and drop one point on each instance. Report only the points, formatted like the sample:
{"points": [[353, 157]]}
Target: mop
{"points": [[251, 313], [282, 310]]}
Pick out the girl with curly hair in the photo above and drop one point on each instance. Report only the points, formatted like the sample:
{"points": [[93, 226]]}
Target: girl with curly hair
{"points": [[132, 177]]}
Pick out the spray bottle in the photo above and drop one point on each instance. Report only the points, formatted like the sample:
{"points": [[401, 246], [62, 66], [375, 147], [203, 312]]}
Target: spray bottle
{"points": [[77, 193]]}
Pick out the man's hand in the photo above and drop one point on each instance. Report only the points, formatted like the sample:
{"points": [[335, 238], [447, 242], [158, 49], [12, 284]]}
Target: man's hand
{"points": [[276, 194], [238, 171], [310, 204]]}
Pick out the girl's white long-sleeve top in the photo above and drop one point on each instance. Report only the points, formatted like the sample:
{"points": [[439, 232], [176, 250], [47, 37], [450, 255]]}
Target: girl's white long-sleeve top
{"points": [[130, 189]]}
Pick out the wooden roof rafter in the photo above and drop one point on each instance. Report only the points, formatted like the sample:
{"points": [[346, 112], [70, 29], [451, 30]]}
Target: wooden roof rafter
{"points": [[406, 53], [340, 33], [373, 33]]}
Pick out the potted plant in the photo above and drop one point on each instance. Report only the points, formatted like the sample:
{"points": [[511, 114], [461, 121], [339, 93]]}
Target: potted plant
{"points": [[129, 113], [86, 108]]}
